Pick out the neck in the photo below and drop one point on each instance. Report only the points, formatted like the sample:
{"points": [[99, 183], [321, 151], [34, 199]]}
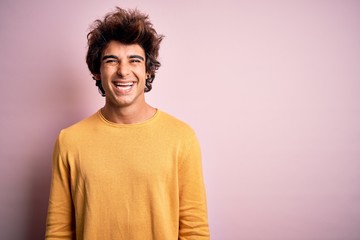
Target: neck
{"points": [[128, 115]]}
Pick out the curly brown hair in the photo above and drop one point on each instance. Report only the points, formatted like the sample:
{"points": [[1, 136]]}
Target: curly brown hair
{"points": [[127, 27]]}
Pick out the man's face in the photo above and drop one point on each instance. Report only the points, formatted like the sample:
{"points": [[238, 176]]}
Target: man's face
{"points": [[123, 74]]}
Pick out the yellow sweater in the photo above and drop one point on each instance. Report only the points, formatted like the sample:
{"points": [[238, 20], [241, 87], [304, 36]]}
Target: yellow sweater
{"points": [[127, 181]]}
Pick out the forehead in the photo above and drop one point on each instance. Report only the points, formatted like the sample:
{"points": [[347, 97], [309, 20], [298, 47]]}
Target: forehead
{"points": [[120, 49]]}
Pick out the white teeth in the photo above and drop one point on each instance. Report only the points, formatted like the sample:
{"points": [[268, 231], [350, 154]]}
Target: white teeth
{"points": [[123, 87], [124, 84]]}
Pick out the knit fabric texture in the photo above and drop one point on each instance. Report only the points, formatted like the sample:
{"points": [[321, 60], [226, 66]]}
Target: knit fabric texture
{"points": [[127, 181]]}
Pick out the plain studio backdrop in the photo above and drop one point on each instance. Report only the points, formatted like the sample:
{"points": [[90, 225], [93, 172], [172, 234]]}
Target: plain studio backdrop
{"points": [[272, 89]]}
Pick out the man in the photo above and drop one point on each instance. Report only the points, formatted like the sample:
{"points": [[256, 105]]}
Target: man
{"points": [[130, 171]]}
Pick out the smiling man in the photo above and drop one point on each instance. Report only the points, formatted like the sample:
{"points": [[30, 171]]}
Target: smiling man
{"points": [[123, 76], [130, 171]]}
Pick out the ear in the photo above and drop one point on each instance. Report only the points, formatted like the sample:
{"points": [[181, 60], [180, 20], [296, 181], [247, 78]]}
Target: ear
{"points": [[96, 77]]}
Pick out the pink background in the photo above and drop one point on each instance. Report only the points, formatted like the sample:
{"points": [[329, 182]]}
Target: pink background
{"points": [[271, 87]]}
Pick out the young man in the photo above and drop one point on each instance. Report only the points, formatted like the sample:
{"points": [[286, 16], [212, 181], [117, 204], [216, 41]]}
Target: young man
{"points": [[130, 171]]}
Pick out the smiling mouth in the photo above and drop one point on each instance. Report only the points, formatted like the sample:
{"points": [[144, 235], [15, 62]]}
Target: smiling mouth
{"points": [[124, 86]]}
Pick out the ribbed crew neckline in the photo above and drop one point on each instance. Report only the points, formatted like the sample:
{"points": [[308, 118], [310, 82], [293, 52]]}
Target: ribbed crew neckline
{"points": [[130, 125]]}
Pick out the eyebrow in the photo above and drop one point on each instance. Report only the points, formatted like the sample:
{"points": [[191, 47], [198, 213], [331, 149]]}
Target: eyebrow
{"points": [[109, 56], [131, 56], [137, 56]]}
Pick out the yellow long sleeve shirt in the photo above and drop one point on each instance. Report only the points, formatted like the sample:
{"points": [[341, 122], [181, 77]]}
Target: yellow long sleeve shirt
{"points": [[127, 181]]}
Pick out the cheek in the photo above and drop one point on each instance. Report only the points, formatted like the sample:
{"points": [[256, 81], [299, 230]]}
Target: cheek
{"points": [[106, 72], [141, 73]]}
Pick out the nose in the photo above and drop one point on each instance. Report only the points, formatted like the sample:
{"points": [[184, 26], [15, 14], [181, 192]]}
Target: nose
{"points": [[123, 69]]}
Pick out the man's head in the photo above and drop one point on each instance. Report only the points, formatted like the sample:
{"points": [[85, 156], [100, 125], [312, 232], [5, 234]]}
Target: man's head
{"points": [[127, 27]]}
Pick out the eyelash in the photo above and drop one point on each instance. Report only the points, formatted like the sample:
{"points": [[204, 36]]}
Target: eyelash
{"points": [[110, 61], [115, 61]]}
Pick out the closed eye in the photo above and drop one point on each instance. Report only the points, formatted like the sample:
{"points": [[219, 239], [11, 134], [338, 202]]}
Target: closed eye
{"points": [[111, 61], [135, 61], [136, 58]]}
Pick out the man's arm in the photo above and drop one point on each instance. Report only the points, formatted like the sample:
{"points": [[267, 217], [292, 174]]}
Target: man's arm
{"points": [[60, 219], [193, 209]]}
